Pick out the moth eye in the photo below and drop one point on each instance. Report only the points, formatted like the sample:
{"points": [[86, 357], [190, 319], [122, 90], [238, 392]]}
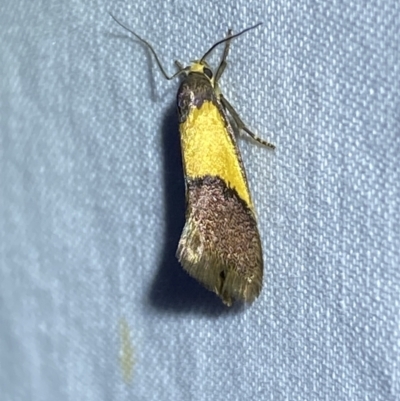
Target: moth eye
{"points": [[208, 72]]}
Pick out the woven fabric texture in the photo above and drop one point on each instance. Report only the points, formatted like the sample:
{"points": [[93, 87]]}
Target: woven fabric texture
{"points": [[94, 305]]}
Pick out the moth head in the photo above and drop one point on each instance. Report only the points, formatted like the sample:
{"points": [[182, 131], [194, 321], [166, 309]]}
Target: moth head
{"points": [[202, 67]]}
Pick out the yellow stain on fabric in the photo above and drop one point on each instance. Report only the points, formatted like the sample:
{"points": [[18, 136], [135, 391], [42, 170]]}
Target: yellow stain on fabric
{"points": [[126, 356], [208, 149]]}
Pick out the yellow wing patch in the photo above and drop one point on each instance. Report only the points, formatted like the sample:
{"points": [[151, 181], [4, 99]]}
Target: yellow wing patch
{"points": [[208, 149]]}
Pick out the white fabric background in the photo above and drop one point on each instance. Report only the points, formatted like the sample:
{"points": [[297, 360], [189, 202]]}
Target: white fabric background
{"points": [[92, 203]]}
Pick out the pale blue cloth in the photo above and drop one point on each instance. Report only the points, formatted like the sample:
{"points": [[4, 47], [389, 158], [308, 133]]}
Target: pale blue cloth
{"points": [[92, 203]]}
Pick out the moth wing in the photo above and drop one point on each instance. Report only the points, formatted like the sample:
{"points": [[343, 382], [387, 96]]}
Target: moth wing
{"points": [[220, 244]]}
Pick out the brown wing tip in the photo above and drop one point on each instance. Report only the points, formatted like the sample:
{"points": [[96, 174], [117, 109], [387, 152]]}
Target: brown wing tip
{"points": [[234, 286], [226, 281], [220, 244]]}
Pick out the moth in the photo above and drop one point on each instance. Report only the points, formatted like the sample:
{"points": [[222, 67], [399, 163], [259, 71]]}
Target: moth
{"points": [[220, 243]]}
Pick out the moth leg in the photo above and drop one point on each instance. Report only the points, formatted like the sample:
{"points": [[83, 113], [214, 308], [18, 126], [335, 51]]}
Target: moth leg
{"points": [[241, 125], [179, 65], [223, 64]]}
